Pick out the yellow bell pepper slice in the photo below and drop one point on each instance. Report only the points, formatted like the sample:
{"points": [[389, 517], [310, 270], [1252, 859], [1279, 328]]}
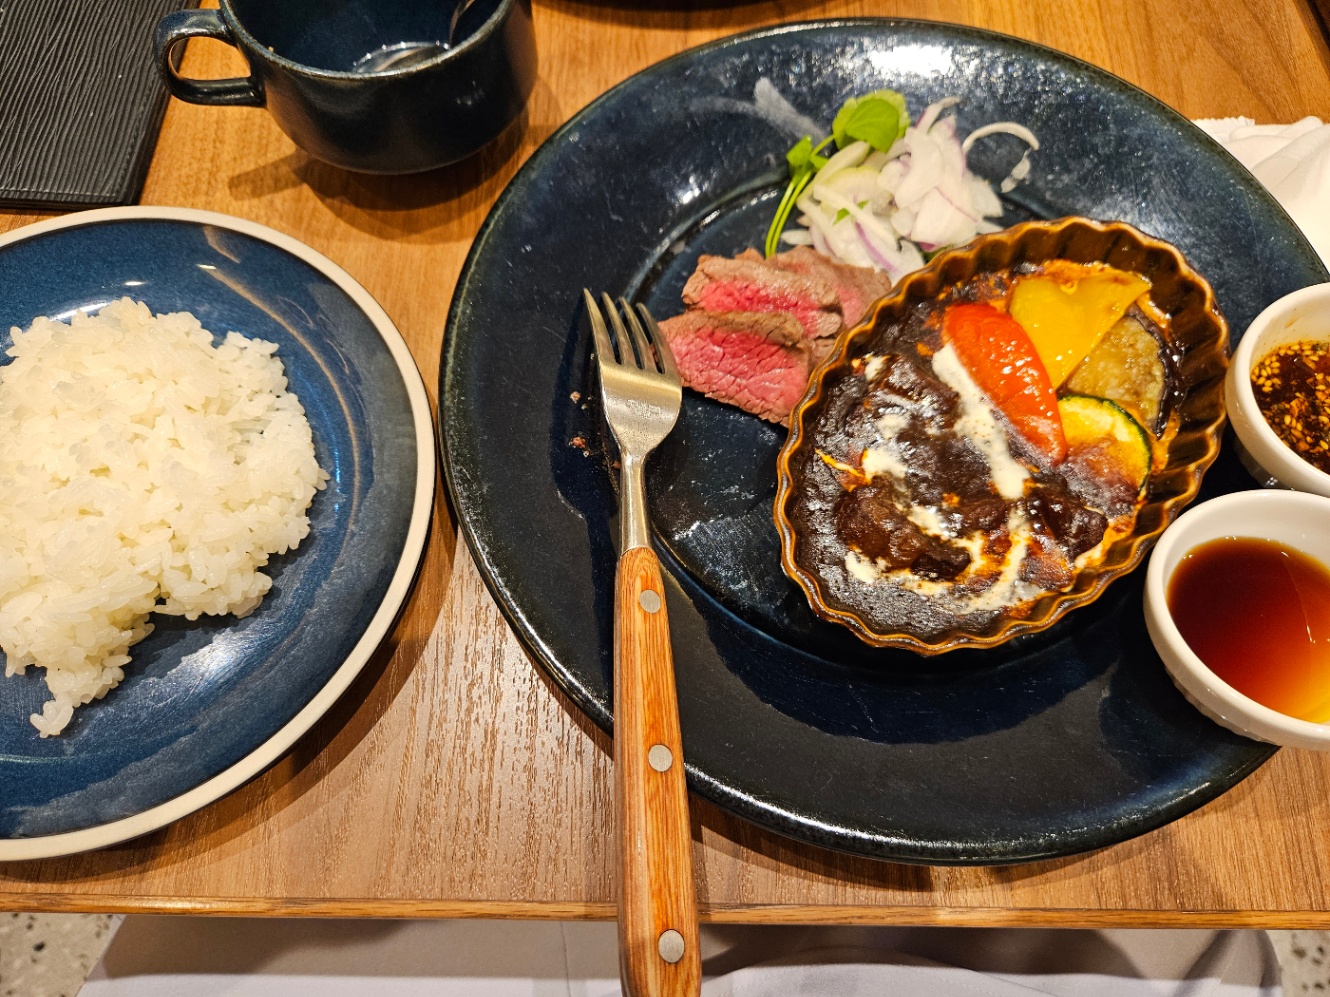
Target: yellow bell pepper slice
{"points": [[1066, 308]]}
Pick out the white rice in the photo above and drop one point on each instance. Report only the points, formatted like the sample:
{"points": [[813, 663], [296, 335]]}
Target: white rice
{"points": [[142, 469]]}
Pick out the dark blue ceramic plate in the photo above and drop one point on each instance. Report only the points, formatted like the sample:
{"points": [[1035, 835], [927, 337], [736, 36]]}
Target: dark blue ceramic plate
{"points": [[205, 706], [1050, 745]]}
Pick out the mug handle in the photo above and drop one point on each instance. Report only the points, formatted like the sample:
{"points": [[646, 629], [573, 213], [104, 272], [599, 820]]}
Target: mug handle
{"points": [[180, 25]]}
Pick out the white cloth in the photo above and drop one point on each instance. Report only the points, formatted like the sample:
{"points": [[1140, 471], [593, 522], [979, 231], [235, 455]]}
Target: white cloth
{"points": [[1292, 161], [241, 957]]}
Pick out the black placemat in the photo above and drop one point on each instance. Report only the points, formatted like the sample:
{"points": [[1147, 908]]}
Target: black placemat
{"points": [[80, 100]]}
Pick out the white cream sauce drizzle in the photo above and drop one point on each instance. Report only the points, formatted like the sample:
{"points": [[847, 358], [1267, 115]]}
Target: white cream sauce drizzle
{"points": [[979, 422], [1006, 589], [886, 459], [862, 568], [890, 461], [930, 520]]}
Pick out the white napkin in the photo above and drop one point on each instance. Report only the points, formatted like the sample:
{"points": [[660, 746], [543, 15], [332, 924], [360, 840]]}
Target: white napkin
{"points": [[240, 957], [1292, 161]]}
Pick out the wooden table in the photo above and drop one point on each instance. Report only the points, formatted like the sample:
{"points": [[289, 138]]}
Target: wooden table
{"points": [[452, 779]]}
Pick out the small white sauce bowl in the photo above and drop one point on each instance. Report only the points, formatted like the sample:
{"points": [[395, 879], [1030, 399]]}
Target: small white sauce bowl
{"points": [[1304, 314], [1296, 519]]}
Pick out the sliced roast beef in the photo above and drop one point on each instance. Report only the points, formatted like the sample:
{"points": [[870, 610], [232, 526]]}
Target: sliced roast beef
{"points": [[757, 327], [758, 361], [749, 285], [856, 287]]}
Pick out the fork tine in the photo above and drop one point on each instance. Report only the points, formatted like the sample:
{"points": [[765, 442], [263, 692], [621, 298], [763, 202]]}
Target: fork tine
{"points": [[662, 345], [641, 343], [604, 346], [626, 342]]}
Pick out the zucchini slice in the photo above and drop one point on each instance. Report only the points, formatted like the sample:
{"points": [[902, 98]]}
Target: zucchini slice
{"points": [[1126, 366], [1106, 445]]}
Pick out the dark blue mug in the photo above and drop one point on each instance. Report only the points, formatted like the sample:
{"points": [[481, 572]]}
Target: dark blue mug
{"points": [[379, 86]]}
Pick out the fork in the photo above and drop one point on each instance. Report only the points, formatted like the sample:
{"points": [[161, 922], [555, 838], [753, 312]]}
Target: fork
{"points": [[658, 942]]}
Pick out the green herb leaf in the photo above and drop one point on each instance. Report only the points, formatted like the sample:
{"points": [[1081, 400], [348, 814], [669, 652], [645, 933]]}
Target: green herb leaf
{"points": [[804, 157], [878, 118], [799, 155], [792, 192], [843, 213], [804, 163]]}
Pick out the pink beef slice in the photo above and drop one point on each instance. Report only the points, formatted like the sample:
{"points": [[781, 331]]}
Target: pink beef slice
{"points": [[749, 285], [856, 287], [758, 361]]}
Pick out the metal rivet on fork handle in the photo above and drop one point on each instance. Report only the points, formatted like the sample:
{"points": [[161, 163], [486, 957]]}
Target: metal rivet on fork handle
{"points": [[670, 946], [660, 758], [649, 601]]}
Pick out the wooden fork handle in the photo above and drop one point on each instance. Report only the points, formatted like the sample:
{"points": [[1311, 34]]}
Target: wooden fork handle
{"points": [[658, 943]]}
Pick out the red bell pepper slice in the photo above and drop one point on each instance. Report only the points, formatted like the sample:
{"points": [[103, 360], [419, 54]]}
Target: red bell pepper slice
{"points": [[1001, 358]]}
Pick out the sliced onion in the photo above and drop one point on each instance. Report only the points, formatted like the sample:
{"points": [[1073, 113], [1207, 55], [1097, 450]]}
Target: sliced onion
{"points": [[941, 223], [878, 226], [895, 257], [879, 242], [931, 112], [951, 180], [813, 216], [794, 237], [924, 169], [986, 203], [880, 259], [814, 233], [846, 244], [1018, 173], [858, 184], [910, 256], [920, 194], [961, 201], [852, 155], [1000, 128], [952, 177], [1022, 168], [892, 174], [953, 155], [841, 245], [876, 160]]}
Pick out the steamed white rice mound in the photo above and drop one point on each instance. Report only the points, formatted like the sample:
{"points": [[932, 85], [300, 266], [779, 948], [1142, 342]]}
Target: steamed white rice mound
{"points": [[142, 469]]}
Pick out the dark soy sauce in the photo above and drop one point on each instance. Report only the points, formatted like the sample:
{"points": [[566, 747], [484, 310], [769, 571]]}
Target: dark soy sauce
{"points": [[1258, 614]]}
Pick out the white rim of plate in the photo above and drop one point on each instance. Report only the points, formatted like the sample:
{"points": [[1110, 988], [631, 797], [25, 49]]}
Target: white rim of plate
{"points": [[115, 832]]}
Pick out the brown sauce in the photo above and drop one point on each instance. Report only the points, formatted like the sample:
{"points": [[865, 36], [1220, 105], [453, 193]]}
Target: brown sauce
{"points": [[1292, 388], [1258, 614], [841, 515]]}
